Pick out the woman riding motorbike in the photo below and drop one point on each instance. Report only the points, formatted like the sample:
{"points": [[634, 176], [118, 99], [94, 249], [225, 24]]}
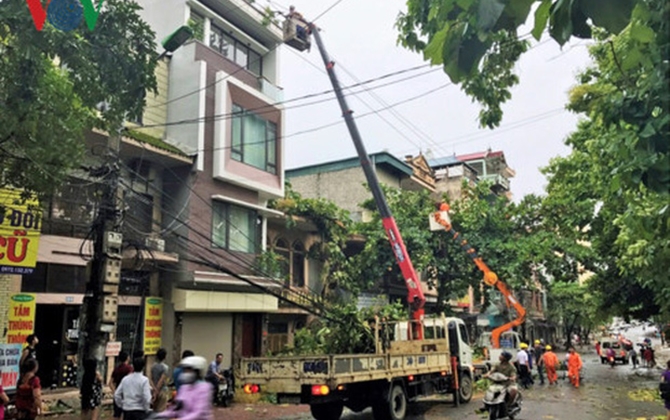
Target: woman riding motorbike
{"points": [[193, 400]]}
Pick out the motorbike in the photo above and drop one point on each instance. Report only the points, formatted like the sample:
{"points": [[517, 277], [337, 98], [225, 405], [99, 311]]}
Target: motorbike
{"points": [[225, 390], [497, 400]]}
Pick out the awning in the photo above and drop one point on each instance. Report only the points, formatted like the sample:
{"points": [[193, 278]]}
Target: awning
{"points": [[63, 250]]}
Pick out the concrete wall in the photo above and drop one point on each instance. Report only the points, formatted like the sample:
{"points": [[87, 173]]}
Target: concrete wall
{"points": [[164, 16], [346, 188], [208, 334]]}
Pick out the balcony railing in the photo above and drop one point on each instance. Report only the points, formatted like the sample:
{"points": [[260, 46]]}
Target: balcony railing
{"points": [[498, 181]]}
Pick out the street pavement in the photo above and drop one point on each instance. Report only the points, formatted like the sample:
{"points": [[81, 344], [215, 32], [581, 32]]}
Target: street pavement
{"points": [[604, 395]]}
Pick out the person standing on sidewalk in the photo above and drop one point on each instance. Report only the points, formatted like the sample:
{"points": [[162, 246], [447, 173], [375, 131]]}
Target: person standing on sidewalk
{"points": [[538, 352], [665, 389], [134, 393], [632, 354], [523, 366], [574, 366], [29, 392], [121, 371], [91, 396], [159, 380]]}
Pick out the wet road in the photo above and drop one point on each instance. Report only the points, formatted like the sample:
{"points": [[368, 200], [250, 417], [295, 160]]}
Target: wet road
{"points": [[603, 396]]}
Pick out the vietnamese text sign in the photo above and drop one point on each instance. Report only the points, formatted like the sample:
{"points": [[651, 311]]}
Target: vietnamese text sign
{"points": [[21, 318], [113, 349], [20, 224], [153, 324], [10, 355]]}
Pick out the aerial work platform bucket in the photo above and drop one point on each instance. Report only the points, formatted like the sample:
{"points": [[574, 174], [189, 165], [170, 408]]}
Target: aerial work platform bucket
{"points": [[296, 34]]}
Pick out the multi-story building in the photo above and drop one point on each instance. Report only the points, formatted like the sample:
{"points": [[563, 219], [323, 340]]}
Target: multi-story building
{"points": [[452, 171], [223, 86], [343, 182]]}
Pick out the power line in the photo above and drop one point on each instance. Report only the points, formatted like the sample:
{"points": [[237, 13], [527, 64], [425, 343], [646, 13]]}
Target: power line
{"points": [[272, 107], [331, 7], [210, 206]]}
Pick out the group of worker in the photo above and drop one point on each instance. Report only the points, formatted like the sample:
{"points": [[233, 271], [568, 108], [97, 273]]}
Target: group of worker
{"points": [[545, 359]]}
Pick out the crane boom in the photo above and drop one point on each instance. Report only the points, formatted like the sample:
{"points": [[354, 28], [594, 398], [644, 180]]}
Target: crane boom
{"points": [[490, 277], [415, 296]]}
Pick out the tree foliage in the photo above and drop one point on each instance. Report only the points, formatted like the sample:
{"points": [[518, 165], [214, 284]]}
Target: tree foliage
{"points": [[478, 43], [51, 82], [612, 191]]}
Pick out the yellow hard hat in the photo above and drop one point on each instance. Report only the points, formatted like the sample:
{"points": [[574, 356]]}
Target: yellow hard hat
{"points": [[524, 346], [537, 341], [548, 347]]}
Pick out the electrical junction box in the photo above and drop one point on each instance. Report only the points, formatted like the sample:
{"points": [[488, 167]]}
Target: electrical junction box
{"points": [[112, 243]]}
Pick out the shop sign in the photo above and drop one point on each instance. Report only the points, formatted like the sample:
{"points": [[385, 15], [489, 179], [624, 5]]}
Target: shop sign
{"points": [[113, 348], [10, 355], [153, 324], [21, 319], [20, 226]]}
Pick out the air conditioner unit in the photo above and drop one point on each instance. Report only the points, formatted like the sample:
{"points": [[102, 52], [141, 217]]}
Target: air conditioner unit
{"points": [[155, 244]]}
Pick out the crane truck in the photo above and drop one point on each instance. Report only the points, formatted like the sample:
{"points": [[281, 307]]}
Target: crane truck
{"points": [[420, 356], [502, 338]]}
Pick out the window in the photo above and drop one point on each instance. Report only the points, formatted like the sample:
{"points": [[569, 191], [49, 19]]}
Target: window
{"points": [[254, 140], [235, 228], [55, 278], [235, 50], [293, 261]]}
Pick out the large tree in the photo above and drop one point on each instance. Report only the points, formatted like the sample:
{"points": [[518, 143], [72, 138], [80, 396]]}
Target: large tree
{"points": [[478, 44], [613, 189], [51, 82]]}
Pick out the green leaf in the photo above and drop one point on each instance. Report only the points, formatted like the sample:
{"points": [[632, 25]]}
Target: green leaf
{"points": [[451, 51], [518, 10], [612, 15], [434, 49], [648, 131], [560, 25], [632, 59], [471, 54], [541, 18], [488, 13], [642, 33]]}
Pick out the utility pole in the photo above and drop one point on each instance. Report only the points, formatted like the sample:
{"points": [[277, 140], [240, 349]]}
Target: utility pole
{"points": [[97, 320], [99, 311]]}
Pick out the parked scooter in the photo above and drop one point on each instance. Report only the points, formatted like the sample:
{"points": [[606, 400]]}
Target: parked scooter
{"points": [[497, 400], [226, 388]]}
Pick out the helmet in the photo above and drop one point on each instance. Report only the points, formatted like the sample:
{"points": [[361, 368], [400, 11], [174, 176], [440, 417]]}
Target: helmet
{"points": [[537, 341], [197, 363], [523, 345], [507, 355], [548, 347]]}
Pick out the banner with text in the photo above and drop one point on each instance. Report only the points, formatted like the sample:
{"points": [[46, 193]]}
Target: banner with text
{"points": [[21, 318], [10, 355], [20, 224], [153, 324]]}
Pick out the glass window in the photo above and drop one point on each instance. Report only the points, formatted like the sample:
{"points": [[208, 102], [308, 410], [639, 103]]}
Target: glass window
{"points": [[255, 63], [282, 249], [232, 48], [464, 333], [234, 228], [241, 54], [254, 140], [227, 46]]}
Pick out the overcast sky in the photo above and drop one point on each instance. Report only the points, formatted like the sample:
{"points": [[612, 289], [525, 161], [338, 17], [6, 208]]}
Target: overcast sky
{"points": [[361, 38]]}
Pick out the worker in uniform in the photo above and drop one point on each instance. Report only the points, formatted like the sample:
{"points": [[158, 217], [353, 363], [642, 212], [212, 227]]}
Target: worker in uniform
{"points": [[537, 354], [523, 364], [574, 366], [550, 362]]}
